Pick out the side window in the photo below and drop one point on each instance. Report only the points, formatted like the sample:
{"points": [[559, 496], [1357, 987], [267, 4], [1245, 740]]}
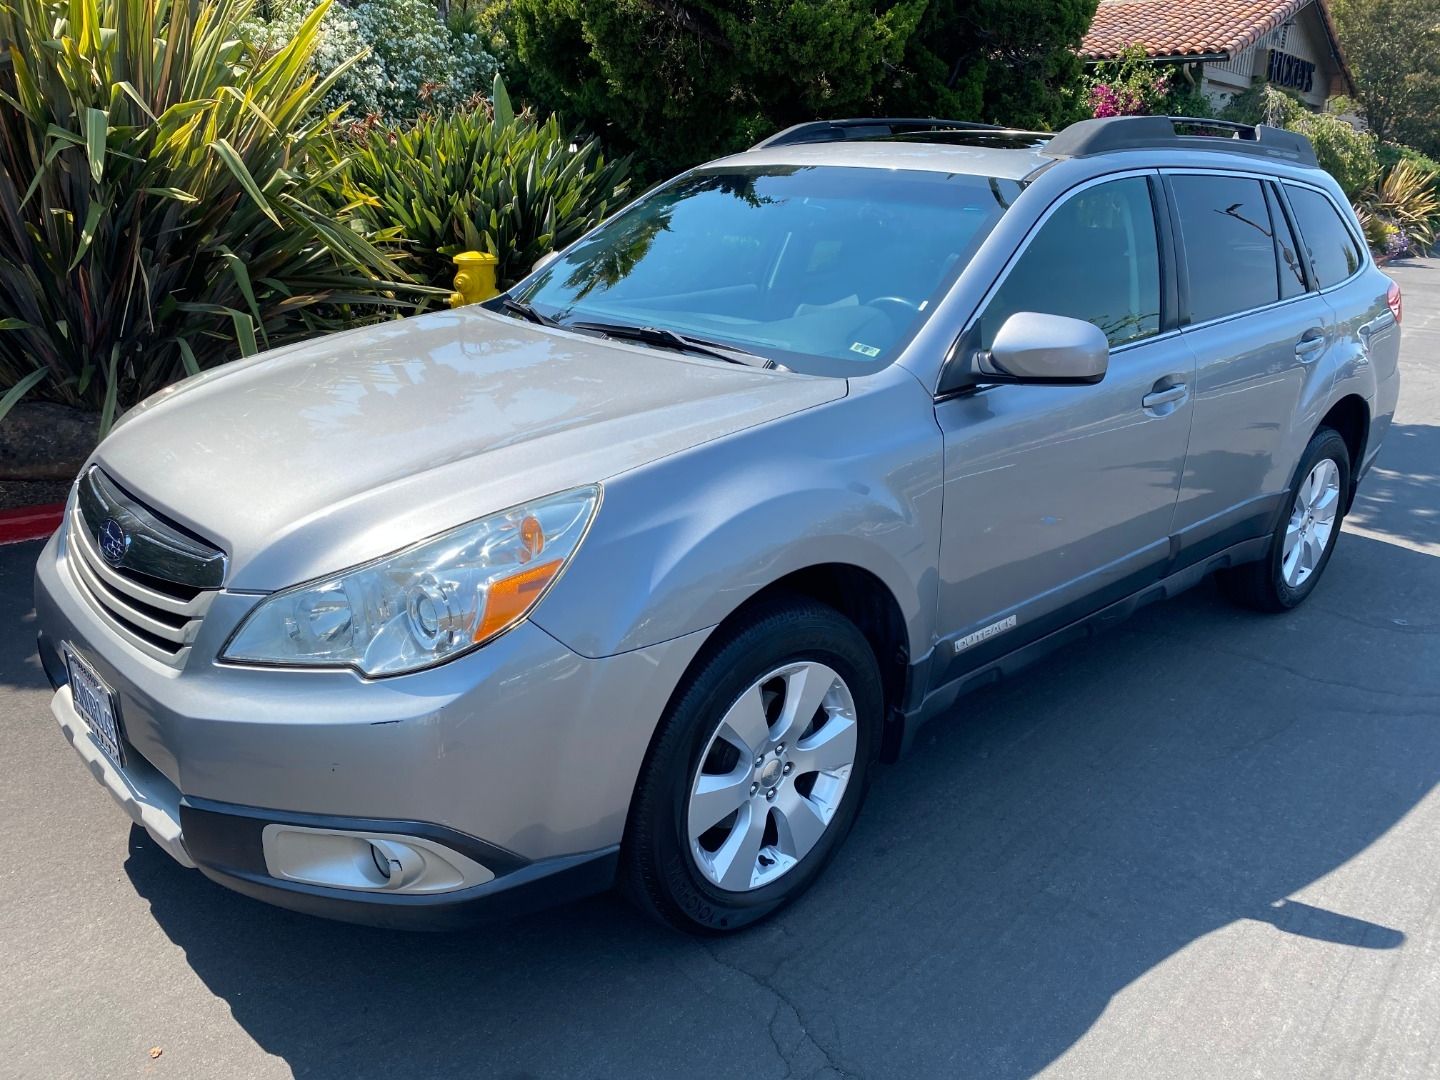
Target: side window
{"points": [[1096, 258], [1333, 250], [1292, 276], [1229, 249]]}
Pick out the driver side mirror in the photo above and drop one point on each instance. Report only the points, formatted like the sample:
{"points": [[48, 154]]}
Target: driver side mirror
{"points": [[1031, 347]]}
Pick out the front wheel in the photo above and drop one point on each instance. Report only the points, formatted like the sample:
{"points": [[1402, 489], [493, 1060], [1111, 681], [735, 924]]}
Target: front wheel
{"points": [[1305, 536], [757, 772]]}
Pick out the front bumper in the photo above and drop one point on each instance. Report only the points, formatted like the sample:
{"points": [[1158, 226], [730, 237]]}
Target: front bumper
{"points": [[522, 743]]}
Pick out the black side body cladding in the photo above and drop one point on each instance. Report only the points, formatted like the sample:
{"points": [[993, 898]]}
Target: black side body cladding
{"points": [[948, 681]]}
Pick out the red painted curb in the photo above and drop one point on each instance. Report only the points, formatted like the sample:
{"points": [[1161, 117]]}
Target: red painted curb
{"points": [[30, 522]]}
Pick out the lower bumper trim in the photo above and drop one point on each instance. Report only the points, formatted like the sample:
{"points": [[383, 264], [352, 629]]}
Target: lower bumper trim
{"points": [[229, 837], [226, 842], [534, 887]]}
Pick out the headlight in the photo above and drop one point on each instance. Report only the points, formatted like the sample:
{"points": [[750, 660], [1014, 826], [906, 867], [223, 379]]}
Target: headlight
{"points": [[427, 603]]}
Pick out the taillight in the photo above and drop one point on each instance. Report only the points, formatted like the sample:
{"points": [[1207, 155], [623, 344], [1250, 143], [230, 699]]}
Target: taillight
{"points": [[1392, 297]]}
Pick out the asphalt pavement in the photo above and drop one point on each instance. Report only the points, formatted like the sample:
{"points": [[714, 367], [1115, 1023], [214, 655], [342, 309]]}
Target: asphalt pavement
{"points": [[1200, 845]]}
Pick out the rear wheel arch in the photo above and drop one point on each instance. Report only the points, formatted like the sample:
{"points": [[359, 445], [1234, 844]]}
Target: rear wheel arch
{"points": [[1350, 417]]}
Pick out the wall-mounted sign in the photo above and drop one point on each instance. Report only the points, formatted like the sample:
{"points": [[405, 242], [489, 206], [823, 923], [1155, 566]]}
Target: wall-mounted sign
{"points": [[1291, 71]]}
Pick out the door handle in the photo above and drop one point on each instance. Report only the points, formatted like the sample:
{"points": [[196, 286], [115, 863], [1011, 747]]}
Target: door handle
{"points": [[1312, 341], [1156, 398]]}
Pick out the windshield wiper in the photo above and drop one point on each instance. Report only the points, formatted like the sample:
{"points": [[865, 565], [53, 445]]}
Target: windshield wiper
{"points": [[525, 311], [660, 337]]}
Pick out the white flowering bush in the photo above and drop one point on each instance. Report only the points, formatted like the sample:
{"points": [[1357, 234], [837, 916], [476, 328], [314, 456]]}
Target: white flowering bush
{"points": [[415, 62]]}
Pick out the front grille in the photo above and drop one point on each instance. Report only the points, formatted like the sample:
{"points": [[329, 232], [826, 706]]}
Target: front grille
{"points": [[161, 585]]}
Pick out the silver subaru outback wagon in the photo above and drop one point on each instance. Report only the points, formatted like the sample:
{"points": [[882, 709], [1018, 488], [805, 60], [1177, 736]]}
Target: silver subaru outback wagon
{"points": [[632, 575]]}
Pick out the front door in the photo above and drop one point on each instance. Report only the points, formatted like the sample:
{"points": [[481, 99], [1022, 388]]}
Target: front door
{"points": [[1059, 499]]}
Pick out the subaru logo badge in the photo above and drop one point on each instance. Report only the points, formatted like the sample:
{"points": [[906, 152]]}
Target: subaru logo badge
{"points": [[113, 541]]}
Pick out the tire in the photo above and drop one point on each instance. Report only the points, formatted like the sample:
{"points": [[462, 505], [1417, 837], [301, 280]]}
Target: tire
{"points": [[1273, 584], [758, 672]]}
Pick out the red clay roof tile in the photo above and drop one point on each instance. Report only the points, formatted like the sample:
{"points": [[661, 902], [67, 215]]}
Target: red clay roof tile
{"points": [[1184, 27]]}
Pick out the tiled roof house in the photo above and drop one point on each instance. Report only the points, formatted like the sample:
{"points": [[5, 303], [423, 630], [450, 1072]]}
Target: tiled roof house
{"points": [[1231, 44]]}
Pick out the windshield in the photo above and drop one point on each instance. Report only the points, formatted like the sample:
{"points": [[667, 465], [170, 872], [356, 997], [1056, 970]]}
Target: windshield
{"points": [[827, 270]]}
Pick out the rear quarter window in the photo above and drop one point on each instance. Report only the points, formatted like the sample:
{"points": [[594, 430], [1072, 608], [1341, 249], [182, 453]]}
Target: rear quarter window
{"points": [[1229, 244], [1292, 273], [1333, 250]]}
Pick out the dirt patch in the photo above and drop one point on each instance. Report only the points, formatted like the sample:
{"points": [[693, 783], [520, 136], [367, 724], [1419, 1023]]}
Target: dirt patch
{"points": [[17, 493]]}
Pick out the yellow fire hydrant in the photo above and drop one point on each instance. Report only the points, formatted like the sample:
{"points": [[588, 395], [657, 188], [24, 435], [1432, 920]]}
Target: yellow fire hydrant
{"points": [[474, 278]]}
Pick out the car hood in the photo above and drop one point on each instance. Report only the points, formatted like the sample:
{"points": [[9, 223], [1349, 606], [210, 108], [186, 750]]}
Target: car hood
{"points": [[309, 459]]}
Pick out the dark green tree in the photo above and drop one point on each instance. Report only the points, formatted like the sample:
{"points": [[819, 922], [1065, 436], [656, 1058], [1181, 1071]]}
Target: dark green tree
{"points": [[1011, 62], [679, 81], [1393, 47]]}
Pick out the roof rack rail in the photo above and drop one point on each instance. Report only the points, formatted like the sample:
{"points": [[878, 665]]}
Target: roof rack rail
{"points": [[872, 127], [1113, 133]]}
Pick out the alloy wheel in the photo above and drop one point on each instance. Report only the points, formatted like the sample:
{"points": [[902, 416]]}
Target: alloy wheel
{"points": [[1312, 521], [772, 776]]}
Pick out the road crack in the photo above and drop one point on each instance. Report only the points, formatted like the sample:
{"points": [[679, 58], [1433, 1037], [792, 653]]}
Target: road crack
{"points": [[784, 1005]]}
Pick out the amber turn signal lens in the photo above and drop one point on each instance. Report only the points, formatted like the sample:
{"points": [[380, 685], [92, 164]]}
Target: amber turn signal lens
{"points": [[509, 598], [532, 538]]}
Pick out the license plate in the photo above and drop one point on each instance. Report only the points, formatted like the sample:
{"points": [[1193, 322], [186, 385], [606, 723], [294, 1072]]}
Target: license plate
{"points": [[95, 702]]}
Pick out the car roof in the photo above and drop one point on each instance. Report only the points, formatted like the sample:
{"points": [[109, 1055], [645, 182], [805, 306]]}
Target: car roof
{"points": [[939, 157], [964, 147]]}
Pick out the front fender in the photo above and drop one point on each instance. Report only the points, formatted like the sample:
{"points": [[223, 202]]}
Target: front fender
{"points": [[681, 543]]}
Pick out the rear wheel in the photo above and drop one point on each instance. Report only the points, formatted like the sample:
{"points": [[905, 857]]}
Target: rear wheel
{"points": [[757, 772], [1305, 536]]}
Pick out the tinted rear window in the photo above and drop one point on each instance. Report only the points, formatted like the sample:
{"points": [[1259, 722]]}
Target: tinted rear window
{"points": [[1229, 245], [1332, 247]]}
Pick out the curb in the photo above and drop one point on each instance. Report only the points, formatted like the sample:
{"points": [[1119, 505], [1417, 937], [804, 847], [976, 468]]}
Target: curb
{"points": [[30, 522]]}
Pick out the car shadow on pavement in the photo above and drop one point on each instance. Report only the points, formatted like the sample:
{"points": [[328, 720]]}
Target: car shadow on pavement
{"points": [[1050, 842], [1401, 495]]}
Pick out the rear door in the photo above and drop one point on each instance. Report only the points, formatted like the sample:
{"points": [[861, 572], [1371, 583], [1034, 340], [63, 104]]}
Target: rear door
{"points": [[1259, 331], [1366, 333], [1058, 499]]}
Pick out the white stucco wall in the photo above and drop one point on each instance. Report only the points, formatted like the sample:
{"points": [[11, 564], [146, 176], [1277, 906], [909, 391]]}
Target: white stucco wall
{"points": [[1302, 37]]}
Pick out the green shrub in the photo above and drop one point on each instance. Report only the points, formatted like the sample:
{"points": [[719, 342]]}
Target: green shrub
{"points": [[414, 60], [1392, 154], [484, 180], [681, 81], [1406, 201], [1349, 155], [163, 204]]}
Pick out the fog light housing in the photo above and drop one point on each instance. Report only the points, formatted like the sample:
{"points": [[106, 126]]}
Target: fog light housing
{"points": [[382, 864], [367, 862]]}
